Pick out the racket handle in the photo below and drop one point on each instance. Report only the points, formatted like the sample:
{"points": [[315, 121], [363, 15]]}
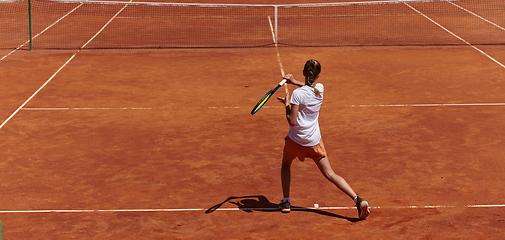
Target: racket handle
{"points": [[280, 84]]}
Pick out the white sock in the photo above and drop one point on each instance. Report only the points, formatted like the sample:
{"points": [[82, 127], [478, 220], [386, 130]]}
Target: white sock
{"points": [[286, 199]]}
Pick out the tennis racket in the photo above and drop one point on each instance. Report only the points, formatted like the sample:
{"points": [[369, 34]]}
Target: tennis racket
{"points": [[266, 97]]}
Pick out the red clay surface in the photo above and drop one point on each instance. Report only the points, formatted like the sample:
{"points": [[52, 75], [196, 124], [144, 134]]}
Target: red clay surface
{"points": [[171, 129]]}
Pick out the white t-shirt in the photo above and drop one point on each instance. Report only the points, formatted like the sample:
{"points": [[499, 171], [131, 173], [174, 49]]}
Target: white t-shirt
{"points": [[306, 131]]}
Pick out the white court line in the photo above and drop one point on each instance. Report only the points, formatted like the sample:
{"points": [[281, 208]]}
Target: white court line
{"points": [[121, 108], [432, 105], [464, 9], [276, 47], [68, 109], [453, 34], [36, 92], [231, 107], [104, 26], [277, 50], [22, 45], [239, 209], [68, 61]]}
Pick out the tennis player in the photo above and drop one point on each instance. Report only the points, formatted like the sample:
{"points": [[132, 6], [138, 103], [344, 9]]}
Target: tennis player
{"points": [[304, 137]]}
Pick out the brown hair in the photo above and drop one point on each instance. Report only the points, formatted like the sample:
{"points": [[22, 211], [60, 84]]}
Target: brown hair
{"points": [[311, 71]]}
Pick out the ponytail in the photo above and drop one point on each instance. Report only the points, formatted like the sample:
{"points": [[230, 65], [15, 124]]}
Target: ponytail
{"points": [[311, 71], [315, 89]]}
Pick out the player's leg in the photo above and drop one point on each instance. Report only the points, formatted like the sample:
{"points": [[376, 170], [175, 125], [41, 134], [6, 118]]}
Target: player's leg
{"points": [[286, 174], [287, 160], [324, 166]]}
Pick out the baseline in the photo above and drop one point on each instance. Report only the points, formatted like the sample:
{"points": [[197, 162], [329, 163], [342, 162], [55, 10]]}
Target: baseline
{"points": [[238, 209]]}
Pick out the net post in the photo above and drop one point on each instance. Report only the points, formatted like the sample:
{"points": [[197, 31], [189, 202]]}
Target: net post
{"points": [[30, 21], [276, 32]]}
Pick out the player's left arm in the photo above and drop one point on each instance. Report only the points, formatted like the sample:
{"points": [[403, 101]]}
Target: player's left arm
{"points": [[290, 79]]}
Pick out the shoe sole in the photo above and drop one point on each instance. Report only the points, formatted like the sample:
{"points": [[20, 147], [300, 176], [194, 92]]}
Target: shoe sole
{"points": [[365, 210], [285, 210]]}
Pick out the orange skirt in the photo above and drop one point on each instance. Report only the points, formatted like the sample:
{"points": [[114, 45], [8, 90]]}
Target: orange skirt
{"points": [[301, 152]]}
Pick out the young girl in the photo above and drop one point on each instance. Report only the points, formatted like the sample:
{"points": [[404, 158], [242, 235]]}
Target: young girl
{"points": [[304, 138]]}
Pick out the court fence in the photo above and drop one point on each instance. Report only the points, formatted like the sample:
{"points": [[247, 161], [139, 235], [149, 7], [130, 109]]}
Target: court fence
{"points": [[69, 24]]}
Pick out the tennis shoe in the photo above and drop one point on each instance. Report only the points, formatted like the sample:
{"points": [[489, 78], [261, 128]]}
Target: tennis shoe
{"points": [[285, 207], [363, 208]]}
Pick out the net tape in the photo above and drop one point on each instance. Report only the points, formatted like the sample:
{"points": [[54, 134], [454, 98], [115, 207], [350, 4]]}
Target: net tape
{"points": [[244, 5]]}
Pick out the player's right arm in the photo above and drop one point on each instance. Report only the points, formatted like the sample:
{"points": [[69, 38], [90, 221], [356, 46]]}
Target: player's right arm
{"points": [[291, 110]]}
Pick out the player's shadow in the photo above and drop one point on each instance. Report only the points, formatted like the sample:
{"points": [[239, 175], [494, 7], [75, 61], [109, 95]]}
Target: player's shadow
{"points": [[260, 203]]}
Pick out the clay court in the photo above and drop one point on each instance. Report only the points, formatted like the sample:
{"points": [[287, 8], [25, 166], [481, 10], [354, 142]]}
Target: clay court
{"points": [[160, 143]]}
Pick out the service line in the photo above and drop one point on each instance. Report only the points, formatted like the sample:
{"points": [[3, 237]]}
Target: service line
{"points": [[237, 107]]}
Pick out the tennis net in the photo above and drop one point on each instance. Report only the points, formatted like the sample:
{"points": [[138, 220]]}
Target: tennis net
{"points": [[14, 23], [68, 24]]}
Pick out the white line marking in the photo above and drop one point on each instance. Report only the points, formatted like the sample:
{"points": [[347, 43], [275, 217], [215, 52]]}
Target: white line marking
{"points": [[215, 107], [485, 206], [51, 78], [22, 45], [464, 9], [277, 50], [68, 109], [240, 209], [104, 26], [453, 34], [36, 92], [432, 105]]}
